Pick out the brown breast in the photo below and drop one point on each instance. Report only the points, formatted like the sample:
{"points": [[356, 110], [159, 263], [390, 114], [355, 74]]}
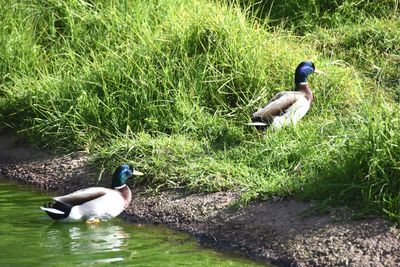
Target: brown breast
{"points": [[126, 194]]}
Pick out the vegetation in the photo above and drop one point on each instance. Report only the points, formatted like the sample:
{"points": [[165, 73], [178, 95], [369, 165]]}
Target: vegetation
{"points": [[169, 85]]}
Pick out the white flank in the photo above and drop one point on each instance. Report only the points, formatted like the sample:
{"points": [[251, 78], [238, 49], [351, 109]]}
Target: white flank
{"points": [[293, 114], [105, 207]]}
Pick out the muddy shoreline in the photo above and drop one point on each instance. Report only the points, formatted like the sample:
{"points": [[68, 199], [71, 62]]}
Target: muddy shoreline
{"points": [[276, 232]]}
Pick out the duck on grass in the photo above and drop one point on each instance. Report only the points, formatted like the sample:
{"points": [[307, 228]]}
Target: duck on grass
{"points": [[288, 107], [94, 204]]}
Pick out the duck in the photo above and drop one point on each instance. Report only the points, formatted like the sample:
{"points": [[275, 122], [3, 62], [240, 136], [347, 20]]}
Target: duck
{"points": [[288, 107], [94, 204]]}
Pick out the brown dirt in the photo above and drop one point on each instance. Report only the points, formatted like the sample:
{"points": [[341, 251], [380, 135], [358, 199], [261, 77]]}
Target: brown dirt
{"points": [[277, 232]]}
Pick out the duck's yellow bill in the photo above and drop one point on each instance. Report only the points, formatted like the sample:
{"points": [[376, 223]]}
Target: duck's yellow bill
{"points": [[138, 173], [317, 71]]}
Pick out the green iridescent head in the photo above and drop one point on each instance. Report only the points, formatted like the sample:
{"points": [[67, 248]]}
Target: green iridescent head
{"points": [[123, 173]]}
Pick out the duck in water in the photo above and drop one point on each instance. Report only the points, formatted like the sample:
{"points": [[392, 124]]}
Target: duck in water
{"points": [[94, 204]]}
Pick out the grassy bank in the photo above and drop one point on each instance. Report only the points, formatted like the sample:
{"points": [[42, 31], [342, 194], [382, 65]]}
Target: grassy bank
{"points": [[169, 85]]}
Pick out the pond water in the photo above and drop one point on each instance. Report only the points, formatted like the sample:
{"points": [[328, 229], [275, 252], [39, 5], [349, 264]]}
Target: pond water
{"points": [[29, 238]]}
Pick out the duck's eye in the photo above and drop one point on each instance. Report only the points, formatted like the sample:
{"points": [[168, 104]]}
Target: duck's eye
{"points": [[125, 174]]}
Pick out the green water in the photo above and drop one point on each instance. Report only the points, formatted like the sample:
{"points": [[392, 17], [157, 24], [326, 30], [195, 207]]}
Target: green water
{"points": [[29, 238]]}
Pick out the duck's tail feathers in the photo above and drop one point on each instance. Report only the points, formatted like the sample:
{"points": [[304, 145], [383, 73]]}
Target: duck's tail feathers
{"points": [[57, 210], [51, 210], [257, 124]]}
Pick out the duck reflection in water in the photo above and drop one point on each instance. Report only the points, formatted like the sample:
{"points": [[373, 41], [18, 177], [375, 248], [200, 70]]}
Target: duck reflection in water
{"points": [[88, 239], [95, 237]]}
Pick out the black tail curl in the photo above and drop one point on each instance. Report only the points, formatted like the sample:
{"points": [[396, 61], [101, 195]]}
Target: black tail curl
{"points": [[58, 206]]}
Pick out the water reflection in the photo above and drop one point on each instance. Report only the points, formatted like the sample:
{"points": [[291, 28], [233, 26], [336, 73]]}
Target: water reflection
{"points": [[109, 238], [80, 239], [48, 243]]}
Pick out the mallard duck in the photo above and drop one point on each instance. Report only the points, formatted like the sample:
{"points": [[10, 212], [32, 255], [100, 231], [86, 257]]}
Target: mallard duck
{"points": [[288, 107], [95, 203]]}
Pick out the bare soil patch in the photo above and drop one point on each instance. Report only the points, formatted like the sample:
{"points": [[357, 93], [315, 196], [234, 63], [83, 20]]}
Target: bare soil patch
{"points": [[277, 232]]}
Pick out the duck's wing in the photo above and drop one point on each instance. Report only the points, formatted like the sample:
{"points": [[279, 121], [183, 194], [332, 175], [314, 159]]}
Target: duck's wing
{"points": [[277, 105], [82, 196], [293, 114]]}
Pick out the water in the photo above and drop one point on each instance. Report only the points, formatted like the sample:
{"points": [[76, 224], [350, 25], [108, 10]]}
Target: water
{"points": [[29, 238]]}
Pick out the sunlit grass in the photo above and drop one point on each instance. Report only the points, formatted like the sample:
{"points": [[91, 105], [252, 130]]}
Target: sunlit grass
{"points": [[169, 86]]}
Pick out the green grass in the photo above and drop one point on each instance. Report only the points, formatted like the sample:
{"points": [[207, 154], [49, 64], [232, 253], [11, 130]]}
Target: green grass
{"points": [[372, 46], [169, 85]]}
